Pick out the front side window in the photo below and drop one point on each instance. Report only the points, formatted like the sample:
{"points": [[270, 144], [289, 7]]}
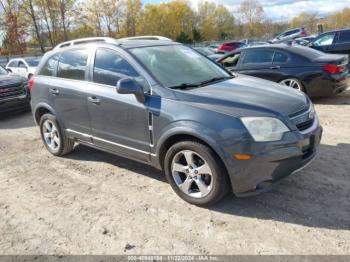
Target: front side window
{"points": [[258, 56], [110, 67], [50, 66], [13, 63], [325, 40], [175, 65], [72, 64], [231, 60]]}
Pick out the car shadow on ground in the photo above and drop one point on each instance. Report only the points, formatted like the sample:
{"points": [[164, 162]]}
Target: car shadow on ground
{"points": [[317, 196], [85, 153], [15, 120], [339, 99]]}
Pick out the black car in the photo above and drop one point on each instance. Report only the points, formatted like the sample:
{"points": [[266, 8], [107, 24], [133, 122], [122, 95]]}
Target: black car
{"points": [[337, 42], [14, 93], [303, 68]]}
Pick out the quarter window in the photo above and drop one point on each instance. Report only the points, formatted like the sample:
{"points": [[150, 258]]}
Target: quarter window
{"points": [[72, 64], [110, 67], [258, 56], [50, 66]]}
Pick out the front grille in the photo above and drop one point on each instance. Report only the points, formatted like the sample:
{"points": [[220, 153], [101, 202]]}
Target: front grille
{"points": [[11, 91], [304, 120], [305, 125]]}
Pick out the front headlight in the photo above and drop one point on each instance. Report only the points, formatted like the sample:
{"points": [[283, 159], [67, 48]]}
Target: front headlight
{"points": [[265, 129]]}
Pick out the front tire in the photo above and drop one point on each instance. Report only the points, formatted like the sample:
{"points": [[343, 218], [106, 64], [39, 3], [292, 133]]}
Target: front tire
{"points": [[196, 173], [55, 141]]}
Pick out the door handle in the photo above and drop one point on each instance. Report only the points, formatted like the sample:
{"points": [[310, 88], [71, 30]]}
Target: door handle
{"points": [[94, 100], [54, 91], [275, 67]]}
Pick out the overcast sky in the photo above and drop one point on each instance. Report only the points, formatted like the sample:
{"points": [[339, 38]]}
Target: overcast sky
{"points": [[278, 10]]}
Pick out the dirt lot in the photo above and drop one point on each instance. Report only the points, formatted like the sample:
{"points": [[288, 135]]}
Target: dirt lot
{"points": [[91, 202]]}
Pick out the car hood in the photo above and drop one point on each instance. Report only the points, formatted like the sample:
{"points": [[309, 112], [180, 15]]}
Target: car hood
{"points": [[247, 94], [10, 80]]}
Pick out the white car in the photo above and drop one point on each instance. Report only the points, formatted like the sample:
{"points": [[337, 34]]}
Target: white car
{"points": [[23, 66]]}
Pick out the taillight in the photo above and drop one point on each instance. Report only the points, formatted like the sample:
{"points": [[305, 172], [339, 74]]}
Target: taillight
{"points": [[333, 69], [303, 33], [31, 83]]}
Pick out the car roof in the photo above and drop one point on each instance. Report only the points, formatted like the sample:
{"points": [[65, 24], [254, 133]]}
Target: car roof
{"points": [[337, 30], [306, 52]]}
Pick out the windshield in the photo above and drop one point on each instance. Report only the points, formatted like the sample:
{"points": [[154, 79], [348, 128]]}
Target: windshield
{"points": [[3, 71], [32, 61], [175, 65]]}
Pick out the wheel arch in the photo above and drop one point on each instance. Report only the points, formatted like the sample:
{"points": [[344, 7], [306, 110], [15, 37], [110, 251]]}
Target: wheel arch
{"points": [[40, 110]]}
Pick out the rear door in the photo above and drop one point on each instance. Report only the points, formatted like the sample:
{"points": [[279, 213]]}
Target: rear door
{"points": [[68, 91], [257, 62], [119, 122], [342, 43]]}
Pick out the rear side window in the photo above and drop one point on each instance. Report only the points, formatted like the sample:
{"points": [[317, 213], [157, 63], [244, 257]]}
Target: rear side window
{"points": [[280, 58], [50, 66], [110, 67], [258, 56], [344, 37], [72, 64]]}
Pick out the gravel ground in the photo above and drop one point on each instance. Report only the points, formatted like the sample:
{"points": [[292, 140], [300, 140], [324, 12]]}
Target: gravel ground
{"points": [[91, 202]]}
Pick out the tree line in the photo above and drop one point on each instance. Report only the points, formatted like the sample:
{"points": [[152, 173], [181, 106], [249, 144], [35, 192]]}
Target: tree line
{"points": [[45, 23]]}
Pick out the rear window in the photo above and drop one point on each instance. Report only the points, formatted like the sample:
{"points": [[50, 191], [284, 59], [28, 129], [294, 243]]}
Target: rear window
{"points": [[258, 56], [344, 37], [72, 64], [50, 66]]}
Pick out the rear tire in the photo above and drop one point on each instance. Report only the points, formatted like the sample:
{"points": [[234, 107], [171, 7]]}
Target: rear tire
{"points": [[293, 83], [196, 173], [55, 141]]}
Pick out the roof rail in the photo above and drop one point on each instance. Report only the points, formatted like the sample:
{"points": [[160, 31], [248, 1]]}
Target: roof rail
{"points": [[145, 37], [86, 40]]}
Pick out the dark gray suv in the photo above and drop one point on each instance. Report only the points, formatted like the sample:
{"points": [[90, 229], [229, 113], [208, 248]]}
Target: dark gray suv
{"points": [[164, 104]]}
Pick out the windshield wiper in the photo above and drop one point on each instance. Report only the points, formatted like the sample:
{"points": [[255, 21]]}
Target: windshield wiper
{"points": [[214, 79], [184, 86]]}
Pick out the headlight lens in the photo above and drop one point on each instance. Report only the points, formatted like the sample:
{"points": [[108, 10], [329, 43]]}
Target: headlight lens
{"points": [[265, 129]]}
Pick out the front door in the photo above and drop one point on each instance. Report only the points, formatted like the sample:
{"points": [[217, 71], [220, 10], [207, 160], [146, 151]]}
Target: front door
{"points": [[119, 122]]}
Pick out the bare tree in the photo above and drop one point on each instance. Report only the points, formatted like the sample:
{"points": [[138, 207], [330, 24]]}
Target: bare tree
{"points": [[252, 14]]}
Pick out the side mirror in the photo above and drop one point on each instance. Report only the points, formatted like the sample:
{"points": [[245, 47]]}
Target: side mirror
{"points": [[130, 86]]}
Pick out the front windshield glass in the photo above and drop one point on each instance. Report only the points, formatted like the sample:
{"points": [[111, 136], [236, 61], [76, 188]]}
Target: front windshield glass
{"points": [[3, 71], [33, 61], [175, 65]]}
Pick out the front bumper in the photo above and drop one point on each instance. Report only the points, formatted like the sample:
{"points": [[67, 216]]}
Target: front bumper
{"points": [[273, 161]]}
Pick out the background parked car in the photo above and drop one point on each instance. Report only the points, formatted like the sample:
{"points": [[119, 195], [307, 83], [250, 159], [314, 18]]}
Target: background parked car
{"points": [[214, 47], [303, 40], [23, 66], [14, 94], [333, 42], [302, 68], [208, 52], [230, 46], [289, 35]]}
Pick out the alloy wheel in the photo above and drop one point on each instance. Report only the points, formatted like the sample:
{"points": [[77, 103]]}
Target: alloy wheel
{"points": [[192, 174], [51, 135], [292, 83]]}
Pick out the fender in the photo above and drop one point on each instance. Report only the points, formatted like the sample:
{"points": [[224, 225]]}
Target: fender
{"points": [[39, 105], [191, 128]]}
